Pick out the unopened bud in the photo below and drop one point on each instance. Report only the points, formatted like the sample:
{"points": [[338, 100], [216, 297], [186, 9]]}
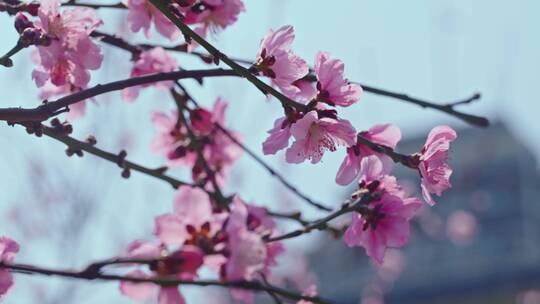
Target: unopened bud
{"points": [[91, 139], [126, 173], [22, 22], [30, 36]]}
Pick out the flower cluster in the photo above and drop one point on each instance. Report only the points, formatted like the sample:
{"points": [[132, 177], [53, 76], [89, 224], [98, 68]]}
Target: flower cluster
{"points": [[65, 51], [196, 235], [318, 128]]}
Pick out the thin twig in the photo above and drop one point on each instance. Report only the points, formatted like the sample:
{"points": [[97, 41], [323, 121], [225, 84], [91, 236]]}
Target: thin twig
{"points": [[448, 108], [359, 205], [90, 274], [75, 145], [406, 160], [272, 294], [6, 59], [119, 5], [51, 108]]}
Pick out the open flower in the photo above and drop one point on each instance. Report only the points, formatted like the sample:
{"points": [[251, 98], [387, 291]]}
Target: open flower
{"points": [[278, 137], [276, 60], [387, 135], [432, 165], [313, 136], [214, 15], [385, 222], [249, 255], [71, 52], [181, 264], [333, 88], [153, 61], [141, 13], [8, 249], [193, 223]]}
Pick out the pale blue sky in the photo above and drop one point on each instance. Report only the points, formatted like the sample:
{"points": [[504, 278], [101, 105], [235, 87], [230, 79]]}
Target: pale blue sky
{"points": [[438, 50]]}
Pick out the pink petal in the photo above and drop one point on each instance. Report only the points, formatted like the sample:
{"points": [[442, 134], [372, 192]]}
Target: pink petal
{"points": [[170, 295], [138, 291], [170, 229]]}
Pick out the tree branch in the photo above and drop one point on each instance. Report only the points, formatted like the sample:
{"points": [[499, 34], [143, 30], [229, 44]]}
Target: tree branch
{"points": [[90, 273], [6, 59], [448, 108], [119, 5], [75, 145], [359, 205], [49, 109]]}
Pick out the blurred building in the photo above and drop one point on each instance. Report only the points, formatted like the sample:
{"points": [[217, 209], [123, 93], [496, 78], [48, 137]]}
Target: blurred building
{"points": [[479, 244]]}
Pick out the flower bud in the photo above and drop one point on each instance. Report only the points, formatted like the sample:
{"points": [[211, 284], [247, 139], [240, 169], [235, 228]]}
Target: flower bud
{"points": [[22, 22], [201, 120]]}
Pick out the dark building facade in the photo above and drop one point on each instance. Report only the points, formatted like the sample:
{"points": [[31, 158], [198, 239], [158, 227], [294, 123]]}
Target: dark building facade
{"points": [[496, 180]]}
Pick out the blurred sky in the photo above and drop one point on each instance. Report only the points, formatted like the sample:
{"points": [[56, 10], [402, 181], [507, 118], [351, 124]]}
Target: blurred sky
{"points": [[437, 50]]}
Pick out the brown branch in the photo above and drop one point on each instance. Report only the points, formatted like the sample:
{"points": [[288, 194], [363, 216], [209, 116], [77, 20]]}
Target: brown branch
{"points": [[118, 5], [76, 145], [50, 109], [406, 160], [5, 60], [448, 108], [359, 205], [90, 273]]}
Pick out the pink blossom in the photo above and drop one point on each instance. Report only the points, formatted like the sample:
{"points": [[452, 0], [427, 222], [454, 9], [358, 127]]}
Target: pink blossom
{"points": [[141, 13], [332, 88], [181, 264], [248, 250], [385, 224], [387, 135], [201, 120], [433, 168], [278, 138], [314, 135], [8, 249], [249, 254], [214, 15], [156, 60], [193, 222], [276, 60], [71, 52]]}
